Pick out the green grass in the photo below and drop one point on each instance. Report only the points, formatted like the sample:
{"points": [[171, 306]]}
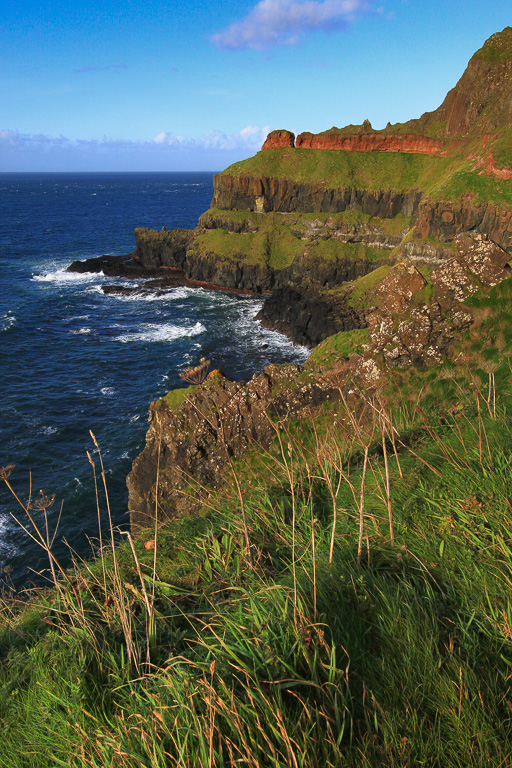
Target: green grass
{"points": [[369, 170], [405, 659], [277, 242], [483, 187], [175, 397], [502, 150], [360, 291], [337, 346], [441, 178], [313, 653]]}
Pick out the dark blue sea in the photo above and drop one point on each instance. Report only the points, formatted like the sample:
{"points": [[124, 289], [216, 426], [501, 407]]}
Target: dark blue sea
{"points": [[74, 359]]}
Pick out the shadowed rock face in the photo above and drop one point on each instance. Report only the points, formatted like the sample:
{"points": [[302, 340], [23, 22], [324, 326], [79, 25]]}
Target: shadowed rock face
{"points": [[251, 193], [308, 315], [221, 419]]}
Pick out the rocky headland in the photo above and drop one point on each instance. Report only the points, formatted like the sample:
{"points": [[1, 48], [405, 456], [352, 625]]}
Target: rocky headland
{"points": [[376, 236]]}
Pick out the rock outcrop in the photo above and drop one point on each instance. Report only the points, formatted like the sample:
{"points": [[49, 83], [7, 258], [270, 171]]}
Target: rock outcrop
{"points": [[279, 140], [167, 248], [194, 442], [264, 194], [408, 329], [371, 142]]}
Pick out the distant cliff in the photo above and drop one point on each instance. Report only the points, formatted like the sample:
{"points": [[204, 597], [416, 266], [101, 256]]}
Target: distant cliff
{"points": [[358, 142]]}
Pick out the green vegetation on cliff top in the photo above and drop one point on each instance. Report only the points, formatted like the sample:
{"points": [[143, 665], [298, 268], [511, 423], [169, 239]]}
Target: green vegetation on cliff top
{"points": [[371, 170], [343, 344], [280, 238], [441, 178], [497, 49]]}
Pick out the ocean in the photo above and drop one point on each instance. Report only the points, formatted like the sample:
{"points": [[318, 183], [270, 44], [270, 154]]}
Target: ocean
{"points": [[74, 359]]}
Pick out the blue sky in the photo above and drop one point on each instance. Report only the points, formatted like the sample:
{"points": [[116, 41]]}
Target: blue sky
{"points": [[182, 85]]}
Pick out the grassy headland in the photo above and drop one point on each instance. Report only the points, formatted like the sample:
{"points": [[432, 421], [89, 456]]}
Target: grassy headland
{"points": [[440, 178], [369, 622]]}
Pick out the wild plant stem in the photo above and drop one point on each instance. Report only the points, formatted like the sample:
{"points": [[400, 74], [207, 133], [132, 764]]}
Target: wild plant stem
{"points": [[361, 507]]}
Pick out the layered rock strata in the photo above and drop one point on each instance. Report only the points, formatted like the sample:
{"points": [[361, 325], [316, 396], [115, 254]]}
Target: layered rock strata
{"points": [[264, 194], [414, 320], [357, 142], [441, 220]]}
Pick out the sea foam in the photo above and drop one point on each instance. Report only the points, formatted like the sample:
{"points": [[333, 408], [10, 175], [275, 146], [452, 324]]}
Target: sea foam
{"points": [[60, 276], [161, 332], [7, 321]]}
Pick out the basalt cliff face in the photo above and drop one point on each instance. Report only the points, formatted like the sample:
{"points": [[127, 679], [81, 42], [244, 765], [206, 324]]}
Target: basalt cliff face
{"points": [[441, 220], [264, 194], [412, 320], [349, 233]]}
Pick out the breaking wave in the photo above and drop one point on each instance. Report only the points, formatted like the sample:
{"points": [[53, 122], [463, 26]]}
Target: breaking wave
{"points": [[150, 332]]}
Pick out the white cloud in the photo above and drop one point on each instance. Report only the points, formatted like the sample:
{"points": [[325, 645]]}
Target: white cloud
{"points": [[249, 139], [23, 151], [285, 22]]}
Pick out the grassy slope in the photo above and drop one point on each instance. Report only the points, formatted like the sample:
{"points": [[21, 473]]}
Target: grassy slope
{"points": [[405, 659], [278, 239], [441, 178]]}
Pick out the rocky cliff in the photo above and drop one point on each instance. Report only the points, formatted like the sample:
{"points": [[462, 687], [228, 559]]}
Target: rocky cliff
{"points": [[441, 220], [351, 231], [481, 102], [414, 318], [358, 142], [191, 444], [265, 194]]}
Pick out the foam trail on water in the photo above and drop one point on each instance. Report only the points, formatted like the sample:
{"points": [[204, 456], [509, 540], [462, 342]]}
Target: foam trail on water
{"points": [[167, 295], [164, 332], [60, 276]]}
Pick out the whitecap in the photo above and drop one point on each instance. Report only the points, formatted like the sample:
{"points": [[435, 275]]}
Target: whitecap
{"points": [[7, 321], [48, 430], [6, 524], [164, 332], [108, 391], [135, 418], [171, 294], [81, 332], [60, 276]]}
